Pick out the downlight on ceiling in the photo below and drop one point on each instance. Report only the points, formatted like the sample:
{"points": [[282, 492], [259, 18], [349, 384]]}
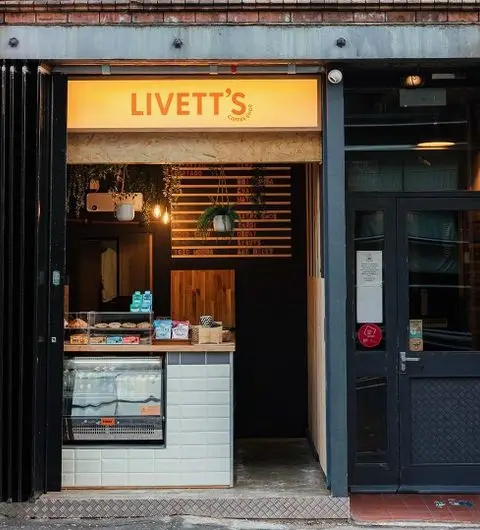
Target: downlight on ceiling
{"points": [[413, 81], [435, 145]]}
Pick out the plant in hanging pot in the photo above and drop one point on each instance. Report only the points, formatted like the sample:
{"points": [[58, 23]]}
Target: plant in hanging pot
{"points": [[124, 205], [124, 201], [218, 218]]}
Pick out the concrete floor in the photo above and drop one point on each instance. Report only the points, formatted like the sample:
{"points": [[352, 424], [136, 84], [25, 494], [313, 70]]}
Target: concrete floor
{"points": [[278, 466], [275, 479]]}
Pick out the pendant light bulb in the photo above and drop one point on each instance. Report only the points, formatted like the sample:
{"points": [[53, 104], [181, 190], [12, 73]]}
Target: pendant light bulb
{"points": [[157, 211], [165, 217]]}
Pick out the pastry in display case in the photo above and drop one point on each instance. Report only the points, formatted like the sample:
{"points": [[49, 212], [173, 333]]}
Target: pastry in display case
{"points": [[96, 328], [76, 328], [113, 399]]}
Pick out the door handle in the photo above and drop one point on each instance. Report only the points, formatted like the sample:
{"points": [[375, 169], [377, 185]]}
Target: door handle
{"points": [[404, 360]]}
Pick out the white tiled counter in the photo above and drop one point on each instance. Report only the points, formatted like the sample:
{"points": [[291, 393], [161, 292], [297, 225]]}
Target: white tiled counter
{"points": [[199, 433]]}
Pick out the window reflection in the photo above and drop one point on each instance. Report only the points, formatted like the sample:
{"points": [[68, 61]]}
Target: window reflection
{"points": [[369, 236], [444, 278], [371, 419]]}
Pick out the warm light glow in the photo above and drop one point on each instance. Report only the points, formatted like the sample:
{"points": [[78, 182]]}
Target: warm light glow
{"points": [[166, 217], [157, 211], [435, 145], [202, 104], [413, 81]]}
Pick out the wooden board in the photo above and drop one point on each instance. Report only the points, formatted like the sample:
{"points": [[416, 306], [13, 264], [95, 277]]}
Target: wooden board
{"points": [[315, 315], [266, 236], [258, 234], [134, 263], [192, 148], [203, 292], [146, 348]]}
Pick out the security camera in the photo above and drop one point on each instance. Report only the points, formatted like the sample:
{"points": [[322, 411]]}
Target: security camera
{"points": [[335, 77]]}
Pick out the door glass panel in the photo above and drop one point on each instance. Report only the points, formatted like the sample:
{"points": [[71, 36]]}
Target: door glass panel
{"points": [[406, 171], [444, 280], [371, 419], [369, 274]]}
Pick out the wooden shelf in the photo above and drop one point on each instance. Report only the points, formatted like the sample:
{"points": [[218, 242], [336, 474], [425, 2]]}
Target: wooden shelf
{"points": [[149, 348]]}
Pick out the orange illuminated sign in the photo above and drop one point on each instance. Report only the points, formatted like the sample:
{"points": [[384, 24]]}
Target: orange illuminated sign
{"points": [[208, 104]]}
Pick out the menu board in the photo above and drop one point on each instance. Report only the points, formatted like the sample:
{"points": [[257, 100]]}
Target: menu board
{"points": [[260, 232]]}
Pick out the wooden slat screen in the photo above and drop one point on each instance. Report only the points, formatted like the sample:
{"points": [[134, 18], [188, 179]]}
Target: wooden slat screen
{"points": [[265, 236]]}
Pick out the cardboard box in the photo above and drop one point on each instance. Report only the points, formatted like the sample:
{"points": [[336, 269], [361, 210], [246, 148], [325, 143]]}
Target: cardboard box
{"points": [[201, 335]]}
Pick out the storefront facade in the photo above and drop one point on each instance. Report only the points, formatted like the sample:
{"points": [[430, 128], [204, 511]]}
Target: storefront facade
{"points": [[379, 406]]}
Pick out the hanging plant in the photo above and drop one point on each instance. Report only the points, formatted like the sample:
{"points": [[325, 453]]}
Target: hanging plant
{"points": [[172, 185], [257, 195], [130, 180], [81, 178], [220, 216], [217, 218], [124, 201], [122, 181]]}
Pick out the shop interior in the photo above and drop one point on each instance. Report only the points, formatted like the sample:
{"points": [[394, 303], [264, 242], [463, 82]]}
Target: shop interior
{"points": [[261, 278]]}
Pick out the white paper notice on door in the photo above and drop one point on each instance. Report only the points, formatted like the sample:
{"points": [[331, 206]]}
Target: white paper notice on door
{"points": [[369, 286]]}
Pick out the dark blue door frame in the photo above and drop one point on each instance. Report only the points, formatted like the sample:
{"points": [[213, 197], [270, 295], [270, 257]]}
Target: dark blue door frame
{"points": [[335, 288]]}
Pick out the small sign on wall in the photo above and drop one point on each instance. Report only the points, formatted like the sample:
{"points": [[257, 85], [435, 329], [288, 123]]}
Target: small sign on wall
{"points": [[369, 286]]}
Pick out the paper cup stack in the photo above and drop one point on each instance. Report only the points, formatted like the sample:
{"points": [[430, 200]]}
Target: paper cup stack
{"points": [[206, 321]]}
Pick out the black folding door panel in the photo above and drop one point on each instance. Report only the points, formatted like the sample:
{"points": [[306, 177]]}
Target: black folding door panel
{"points": [[31, 146]]}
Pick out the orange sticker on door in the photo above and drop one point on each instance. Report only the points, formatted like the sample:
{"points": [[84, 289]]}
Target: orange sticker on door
{"points": [[107, 422], [150, 410]]}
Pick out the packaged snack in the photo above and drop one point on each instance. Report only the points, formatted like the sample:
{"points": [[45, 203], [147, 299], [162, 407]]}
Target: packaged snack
{"points": [[180, 329], [130, 339], [98, 339], [114, 340], [163, 329], [79, 338]]}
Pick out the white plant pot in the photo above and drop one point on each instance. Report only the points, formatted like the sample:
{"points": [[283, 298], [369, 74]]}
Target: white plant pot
{"points": [[125, 211], [222, 223]]}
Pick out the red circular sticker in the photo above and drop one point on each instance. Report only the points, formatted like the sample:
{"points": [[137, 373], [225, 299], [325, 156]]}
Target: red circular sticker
{"points": [[369, 335]]}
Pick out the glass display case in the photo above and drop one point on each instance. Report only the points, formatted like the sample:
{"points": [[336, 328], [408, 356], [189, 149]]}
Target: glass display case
{"points": [[113, 399], [95, 328]]}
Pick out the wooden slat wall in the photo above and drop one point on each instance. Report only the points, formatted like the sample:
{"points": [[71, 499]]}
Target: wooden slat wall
{"points": [[203, 292], [315, 315], [267, 236]]}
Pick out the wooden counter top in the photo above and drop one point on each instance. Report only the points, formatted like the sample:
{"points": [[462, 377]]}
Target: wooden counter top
{"points": [[140, 348]]}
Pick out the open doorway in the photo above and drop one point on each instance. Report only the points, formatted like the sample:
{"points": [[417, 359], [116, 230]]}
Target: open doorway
{"points": [[263, 282]]}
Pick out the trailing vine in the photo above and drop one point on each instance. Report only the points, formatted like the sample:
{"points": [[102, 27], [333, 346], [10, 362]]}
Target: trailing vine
{"points": [[257, 195], [122, 181], [172, 185]]}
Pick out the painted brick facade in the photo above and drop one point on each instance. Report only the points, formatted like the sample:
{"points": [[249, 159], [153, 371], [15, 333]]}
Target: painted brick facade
{"points": [[148, 12], [238, 17]]}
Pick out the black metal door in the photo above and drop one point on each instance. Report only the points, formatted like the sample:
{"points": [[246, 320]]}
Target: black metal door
{"points": [[32, 204], [372, 360], [439, 341]]}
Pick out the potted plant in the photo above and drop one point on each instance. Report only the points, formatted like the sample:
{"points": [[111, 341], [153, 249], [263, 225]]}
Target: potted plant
{"points": [[124, 205], [218, 218]]}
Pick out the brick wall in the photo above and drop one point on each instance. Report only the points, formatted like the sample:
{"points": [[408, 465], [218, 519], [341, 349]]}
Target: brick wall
{"points": [[91, 12], [240, 16]]}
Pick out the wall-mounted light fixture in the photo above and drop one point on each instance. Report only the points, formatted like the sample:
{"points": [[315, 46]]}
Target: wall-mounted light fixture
{"points": [[413, 81]]}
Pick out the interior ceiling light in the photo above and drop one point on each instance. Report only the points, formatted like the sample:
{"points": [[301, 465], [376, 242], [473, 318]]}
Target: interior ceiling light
{"points": [[413, 81], [157, 211], [435, 145]]}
